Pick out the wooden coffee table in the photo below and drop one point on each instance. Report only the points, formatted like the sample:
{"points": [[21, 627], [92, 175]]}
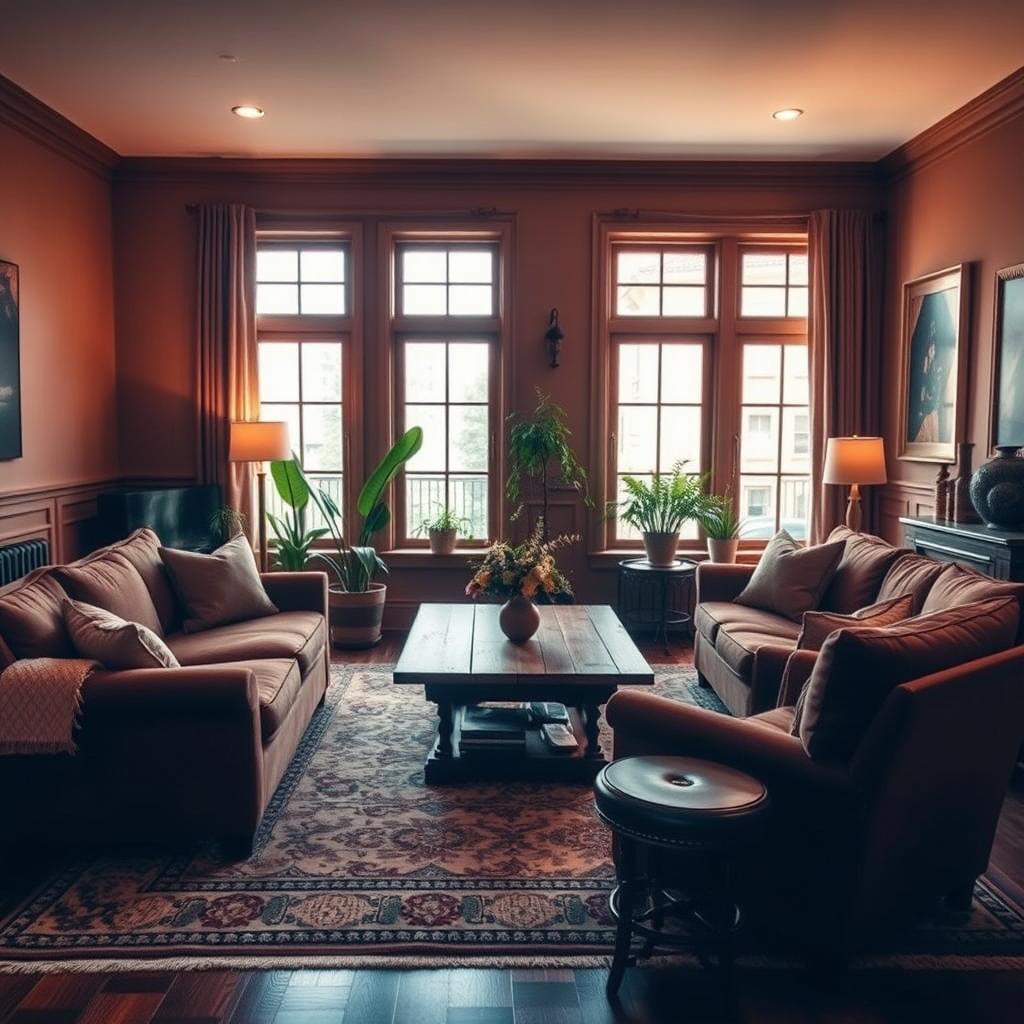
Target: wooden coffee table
{"points": [[579, 657]]}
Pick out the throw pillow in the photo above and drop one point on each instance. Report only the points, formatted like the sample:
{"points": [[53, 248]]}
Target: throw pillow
{"points": [[790, 580], [957, 586], [818, 625], [32, 619], [911, 574], [218, 588], [861, 570], [113, 641], [858, 668]]}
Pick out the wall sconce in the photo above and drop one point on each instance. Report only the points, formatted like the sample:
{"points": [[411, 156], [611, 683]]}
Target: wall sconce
{"points": [[554, 337]]}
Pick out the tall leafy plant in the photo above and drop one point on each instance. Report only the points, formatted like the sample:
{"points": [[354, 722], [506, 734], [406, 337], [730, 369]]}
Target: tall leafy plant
{"points": [[662, 504], [539, 449], [293, 540]]}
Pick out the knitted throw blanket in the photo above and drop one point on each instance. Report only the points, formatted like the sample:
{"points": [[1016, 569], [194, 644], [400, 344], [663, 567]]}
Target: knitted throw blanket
{"points": [[40, 700]]}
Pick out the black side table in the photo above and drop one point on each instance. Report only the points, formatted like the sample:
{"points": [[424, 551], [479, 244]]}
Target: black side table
{"points": [[656, 596]]}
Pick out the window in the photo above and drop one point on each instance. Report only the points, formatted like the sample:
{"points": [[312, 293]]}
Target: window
{"points": [[652, 282], [307, 281], [773, 284], [454, 281]]}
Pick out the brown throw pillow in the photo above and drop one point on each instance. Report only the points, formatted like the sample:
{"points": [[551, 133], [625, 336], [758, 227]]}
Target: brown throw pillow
{"points": [[818, 625], [790, 580], [957, 586], [219, 588], [858, 668], [113, 642], [911, 574], [32, 619], [861, 570]]}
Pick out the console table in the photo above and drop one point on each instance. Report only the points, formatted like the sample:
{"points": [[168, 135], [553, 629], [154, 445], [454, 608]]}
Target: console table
{"points": [[997, 553]]}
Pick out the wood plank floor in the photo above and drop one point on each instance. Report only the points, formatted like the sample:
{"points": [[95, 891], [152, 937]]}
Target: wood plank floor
{"points": [[528, 997]]}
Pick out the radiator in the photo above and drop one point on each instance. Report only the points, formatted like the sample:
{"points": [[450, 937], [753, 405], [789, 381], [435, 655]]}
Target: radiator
{"points": [[17, 560]]}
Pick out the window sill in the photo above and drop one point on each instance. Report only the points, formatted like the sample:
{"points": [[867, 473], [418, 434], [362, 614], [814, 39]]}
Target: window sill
{"points": [[609, 560], [422, 558]]}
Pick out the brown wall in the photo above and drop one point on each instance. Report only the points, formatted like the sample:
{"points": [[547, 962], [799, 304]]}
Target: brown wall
{"points": [[154, 239], [55, 223], [967, 206]]}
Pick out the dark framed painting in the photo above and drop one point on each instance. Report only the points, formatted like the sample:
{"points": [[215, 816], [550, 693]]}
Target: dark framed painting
{"points": [[10, 363], [1008, 358], [933, 392]]}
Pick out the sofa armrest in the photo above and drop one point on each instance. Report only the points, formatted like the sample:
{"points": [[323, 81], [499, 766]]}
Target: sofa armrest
{"points": [[798, 670], [720, 582], [158, 691], [297, 591]]}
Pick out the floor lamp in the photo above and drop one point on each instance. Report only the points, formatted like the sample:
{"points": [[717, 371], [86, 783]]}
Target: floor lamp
{"points": [[260, 442], [854, 461]]}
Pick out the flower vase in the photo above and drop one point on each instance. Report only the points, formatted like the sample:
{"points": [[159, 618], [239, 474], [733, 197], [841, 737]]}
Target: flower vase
{"points": [[519, 619]]}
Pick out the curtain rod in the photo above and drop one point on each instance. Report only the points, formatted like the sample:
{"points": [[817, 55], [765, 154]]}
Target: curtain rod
{"points": [[476, 212]]}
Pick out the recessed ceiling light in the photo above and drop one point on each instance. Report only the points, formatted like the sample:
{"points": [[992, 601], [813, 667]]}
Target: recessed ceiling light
{"points": [[228, 58], [247, 110], [788, 114]]}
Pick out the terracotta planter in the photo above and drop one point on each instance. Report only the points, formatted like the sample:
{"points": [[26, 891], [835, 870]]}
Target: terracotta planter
{"points": [[356, 617], [661, 548], [442, 542], [722, 550], [519, 619]]}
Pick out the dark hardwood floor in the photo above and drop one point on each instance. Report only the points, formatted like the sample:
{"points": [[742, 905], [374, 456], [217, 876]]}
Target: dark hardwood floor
{"points": [[465, 996]]}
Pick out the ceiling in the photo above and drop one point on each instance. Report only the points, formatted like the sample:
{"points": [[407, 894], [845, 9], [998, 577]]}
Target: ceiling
{"points": [[519, 78]]}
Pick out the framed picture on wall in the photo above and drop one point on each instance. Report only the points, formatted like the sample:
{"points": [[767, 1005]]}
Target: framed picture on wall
{"points": [[1008, 358], [933, 393], [10, 365]]}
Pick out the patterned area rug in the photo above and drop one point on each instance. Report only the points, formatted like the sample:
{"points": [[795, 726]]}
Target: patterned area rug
{"points": [[357, 857]]}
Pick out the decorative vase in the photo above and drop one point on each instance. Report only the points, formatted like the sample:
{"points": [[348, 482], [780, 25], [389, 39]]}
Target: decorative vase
{"points": [[442, 542], [519, 619], [723, 550], [942, 493], [962, 509], [356, 617], [661, 548], [997, 490]]}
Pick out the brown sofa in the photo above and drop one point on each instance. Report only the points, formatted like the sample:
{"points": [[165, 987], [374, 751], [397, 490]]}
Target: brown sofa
{"points": [[166, 754]]}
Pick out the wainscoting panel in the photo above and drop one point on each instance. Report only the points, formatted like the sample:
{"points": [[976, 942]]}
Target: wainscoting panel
{"points": [[903, 498]]}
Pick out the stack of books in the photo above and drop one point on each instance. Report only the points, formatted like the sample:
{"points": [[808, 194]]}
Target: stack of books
{"points": [[494, 730]]}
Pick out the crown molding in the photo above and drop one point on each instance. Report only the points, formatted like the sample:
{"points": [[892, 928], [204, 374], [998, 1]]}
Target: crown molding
{"points": [[33, 118], [994, 107], [495, 172]]}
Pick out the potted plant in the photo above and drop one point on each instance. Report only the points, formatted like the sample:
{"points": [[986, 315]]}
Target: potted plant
{"points": [[520, 573], [356, 601], [443, 530], [539, 449], [659, 509], [292, 540], [722, 528]]}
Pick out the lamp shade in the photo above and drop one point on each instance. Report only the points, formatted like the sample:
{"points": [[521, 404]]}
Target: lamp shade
{"points": [[259, 441], [854, 460]]}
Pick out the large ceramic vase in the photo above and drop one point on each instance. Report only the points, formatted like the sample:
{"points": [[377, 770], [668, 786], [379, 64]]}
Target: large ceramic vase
{"points": [[997, 490], [356, 617], [661, 548], [519, 619], [722, 550]]}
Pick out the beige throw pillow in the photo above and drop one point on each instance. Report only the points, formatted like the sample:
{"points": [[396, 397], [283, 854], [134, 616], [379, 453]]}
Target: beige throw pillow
{"points": [[113, 641], [219, 588], [790, 580], [818, 625]]}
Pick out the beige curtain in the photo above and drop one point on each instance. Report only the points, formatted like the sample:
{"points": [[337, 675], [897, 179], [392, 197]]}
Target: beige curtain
{"points": [[226, 367], [844, 328]]}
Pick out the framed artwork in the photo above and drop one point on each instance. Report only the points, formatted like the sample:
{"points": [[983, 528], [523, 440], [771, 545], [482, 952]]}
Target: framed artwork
{"points": [[1008, 358], [10, 368], [933, 392]]}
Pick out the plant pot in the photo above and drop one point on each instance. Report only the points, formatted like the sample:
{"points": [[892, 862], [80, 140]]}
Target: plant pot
{"points": [[997, 490], [661, 548], [519, 619], [723, 550], [356, 617], [442, 542]]}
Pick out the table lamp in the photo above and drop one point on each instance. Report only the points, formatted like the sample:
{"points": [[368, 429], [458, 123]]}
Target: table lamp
{"points": [[260, 442], [854, 461]]}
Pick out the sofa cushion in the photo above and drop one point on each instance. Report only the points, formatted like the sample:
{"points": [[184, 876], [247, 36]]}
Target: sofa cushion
{"points": [[219, 588], [789, 580], [736, 646], [278, 682], [866, 559], [818, 625], [32, 617], [956, 586], [858, 668], [109, 581], [297, 635], [142, 549], [777, 718], [911, 574], [713, 615], [112, 641]]}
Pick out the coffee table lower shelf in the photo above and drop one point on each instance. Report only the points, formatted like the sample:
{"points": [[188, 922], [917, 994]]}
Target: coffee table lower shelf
{"points": [[539, 763]]}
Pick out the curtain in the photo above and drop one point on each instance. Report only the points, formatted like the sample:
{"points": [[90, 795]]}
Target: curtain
{"points": [[844, 328], [226, 367]]}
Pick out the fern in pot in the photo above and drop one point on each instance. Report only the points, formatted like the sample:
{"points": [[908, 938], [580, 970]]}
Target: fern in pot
{"points": [[659, 508], [722, 528], [443, 530]]}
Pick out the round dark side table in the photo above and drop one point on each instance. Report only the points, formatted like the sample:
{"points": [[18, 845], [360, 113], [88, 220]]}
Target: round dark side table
{"points": [[656, 596], [677, 821]]}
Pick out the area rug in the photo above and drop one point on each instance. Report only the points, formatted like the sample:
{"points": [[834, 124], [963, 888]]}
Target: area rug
{"points": [[358, 861]]}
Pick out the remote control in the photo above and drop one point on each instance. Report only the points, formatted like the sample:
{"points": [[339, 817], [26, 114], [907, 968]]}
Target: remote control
{"points": [[559, 736], [549, 711]]}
